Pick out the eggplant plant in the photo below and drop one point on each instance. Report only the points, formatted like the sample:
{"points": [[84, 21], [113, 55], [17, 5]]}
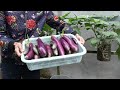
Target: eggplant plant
{"points": [[104, 34], [105, 29], [46, 31]]}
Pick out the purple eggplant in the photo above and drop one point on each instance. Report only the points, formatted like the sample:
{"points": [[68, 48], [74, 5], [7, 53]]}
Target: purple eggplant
{"points": [[30, 53], [49, 50], [75, 41], [59, 46], [41, 48], [73, 46], [65, 46]]}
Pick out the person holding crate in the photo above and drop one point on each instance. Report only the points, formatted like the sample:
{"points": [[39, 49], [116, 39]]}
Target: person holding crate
{"points": [[14, 25]]}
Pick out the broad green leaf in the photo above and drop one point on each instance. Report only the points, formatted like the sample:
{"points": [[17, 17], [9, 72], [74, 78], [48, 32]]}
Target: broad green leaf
{"points": [[109, 34], [99, 21], [81, 20], [118, 31], [72, 19], [96, 20], [88, 25], [67, 20], [94, 42], [74, 22], [83, 16], [46, 27], [118, 39]]}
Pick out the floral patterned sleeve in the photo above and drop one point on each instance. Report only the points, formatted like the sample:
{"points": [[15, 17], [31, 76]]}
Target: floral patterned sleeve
{"points": [[56, 23], [3, 34]]}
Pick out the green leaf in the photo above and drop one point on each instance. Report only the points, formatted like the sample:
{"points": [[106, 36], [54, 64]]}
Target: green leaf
{"points": [[88, 24], [118, 52], [74, 22], [102, 22], [81, 20], [94, 42], [118, 39], [83, 16], [67, 21], [109, 34], [96, 20], [65, 15], [118, 31], [87, 27], [48, 29], [101, 26]]}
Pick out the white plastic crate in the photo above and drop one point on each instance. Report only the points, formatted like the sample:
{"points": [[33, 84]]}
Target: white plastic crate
{"points": [[54, 61]]}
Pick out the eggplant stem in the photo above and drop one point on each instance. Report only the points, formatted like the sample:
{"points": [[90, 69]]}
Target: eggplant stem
{"points": [[62, 33]]}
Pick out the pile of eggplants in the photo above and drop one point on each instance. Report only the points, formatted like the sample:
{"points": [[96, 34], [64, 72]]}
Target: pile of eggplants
{"points": [[57, 47]]}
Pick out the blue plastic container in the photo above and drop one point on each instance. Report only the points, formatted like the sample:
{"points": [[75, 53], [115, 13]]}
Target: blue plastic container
{"points": [[55, 60]]}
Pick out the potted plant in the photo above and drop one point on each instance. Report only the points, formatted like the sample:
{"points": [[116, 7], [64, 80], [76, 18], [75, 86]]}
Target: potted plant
{"points": [[105, 32]]}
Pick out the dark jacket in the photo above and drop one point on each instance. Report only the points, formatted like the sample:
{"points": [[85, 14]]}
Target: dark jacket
{"points": [[15, 24]]}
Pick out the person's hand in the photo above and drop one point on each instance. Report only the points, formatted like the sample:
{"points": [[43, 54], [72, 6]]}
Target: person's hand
{"points": [[82, 41], [18, 48]]}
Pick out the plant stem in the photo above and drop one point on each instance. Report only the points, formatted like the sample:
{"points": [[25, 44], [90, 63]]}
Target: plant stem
{"points": [[94, 32]]}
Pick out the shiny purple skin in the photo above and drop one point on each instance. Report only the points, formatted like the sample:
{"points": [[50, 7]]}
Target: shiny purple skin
{"points": [[59, 46], [73, 46], [65, 46], [49, 50], [30, 53], [41, 48], [75, 41]]}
